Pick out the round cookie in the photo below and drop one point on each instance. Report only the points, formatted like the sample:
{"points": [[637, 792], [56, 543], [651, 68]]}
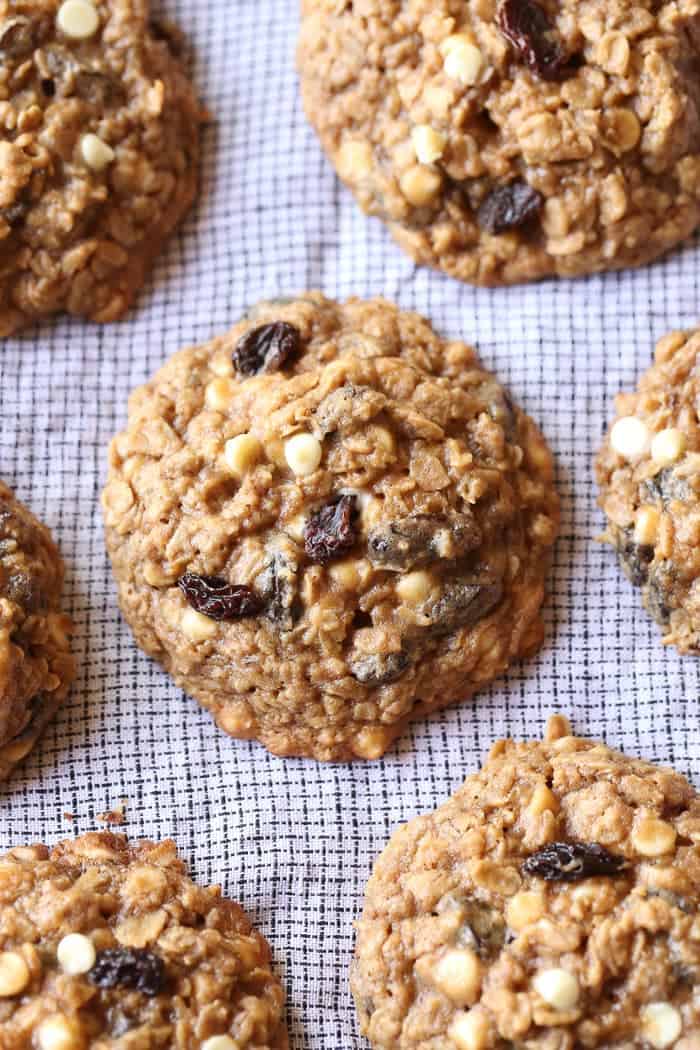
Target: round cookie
{"points": [[508, 140], [98, 155], [106, 944], [648, 471], [550, 904], [328, 522], [36, 666]]}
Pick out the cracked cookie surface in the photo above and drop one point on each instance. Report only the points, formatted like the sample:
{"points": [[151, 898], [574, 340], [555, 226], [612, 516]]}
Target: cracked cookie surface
{"points": [[550, 904], [509, 140], [327, 522], [99, 131], [648, 471], [104, 944], [36, 665]]}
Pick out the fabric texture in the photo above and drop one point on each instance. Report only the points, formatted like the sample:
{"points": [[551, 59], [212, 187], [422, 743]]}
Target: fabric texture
{"points": [[292, 840]]}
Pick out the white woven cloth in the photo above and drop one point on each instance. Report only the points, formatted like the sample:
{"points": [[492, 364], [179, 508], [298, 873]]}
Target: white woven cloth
{"points": [[290, 839]]}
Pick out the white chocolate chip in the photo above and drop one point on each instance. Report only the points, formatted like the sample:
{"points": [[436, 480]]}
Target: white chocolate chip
{"points": [[667, 446], [14, 974], [653, 838], [558, 988], [428, 143], [646, 526], [219, 393], [629, 437], [96, 153], [303, 454], [414, 587], [197, 626], [241, 453], [78, 19], [462, 60], [220, 1042], [470, 1031], [661, 1024], [59, 1033], [458, 975], [76, 954]]}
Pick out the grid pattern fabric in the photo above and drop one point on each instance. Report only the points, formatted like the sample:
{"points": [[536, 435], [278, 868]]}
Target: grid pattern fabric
{"points": [[290, 839]]}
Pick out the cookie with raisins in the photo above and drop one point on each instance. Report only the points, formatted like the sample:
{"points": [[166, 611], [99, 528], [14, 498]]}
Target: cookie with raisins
{"points": [[648, 471], [104, 943], [99, 155], [36, 665], [510, 140], [551, 902], [327, 522]]}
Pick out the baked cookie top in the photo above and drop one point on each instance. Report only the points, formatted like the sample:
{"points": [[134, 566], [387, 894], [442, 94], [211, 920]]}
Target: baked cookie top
{"points": [[329, 521], [648, 471], [551, 903], [99, 133], [507, 140], [36, 666], [110, 945]]}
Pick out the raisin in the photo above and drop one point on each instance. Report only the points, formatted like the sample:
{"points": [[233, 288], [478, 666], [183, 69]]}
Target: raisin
{"points": [[526, 26], [217, 598], [330, 532], [508, 207], [279, 586], [421, 538], [379, 668], [129, 968], [667, 486], [17, 37], [266, 349], [570, 861], [14, 214], [658, 593], [635, 558], [462, 603]]}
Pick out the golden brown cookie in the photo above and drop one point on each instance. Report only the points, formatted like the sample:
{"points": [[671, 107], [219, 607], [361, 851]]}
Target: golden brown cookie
{"points": [[550, 904], [649, 476], [99, 133], [110, 945], [36, 665], [507, 140], [327, 522]]}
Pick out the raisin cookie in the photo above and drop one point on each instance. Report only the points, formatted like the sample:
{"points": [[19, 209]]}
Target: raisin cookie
{"points": [[550, 904], [508, 140], [99, 132], [649, 476], [110, 945], [36, 666], [327, 522]]}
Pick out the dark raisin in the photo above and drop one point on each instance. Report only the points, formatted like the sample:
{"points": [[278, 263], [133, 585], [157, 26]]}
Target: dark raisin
{"points": [[217, 598], [508, 207], [17, 37], [462, 603], [421, 538], [667, 486], [48, 86], [658, 593], [635, 558], [571, 861], [14, 214], [330, 532], [278, 585], [526, 26], [266, 349], [129, 968], [482, 929], [379, 668], [24, 591]]}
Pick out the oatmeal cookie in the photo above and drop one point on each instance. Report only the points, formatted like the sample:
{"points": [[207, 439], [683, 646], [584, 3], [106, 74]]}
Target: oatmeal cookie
{"points": [[110, 945], [99, 132], [508, 140], [550, 904], [649, 476], [36, 666], [327, 522]]}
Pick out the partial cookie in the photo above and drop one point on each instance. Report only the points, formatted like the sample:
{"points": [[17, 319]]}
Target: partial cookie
{"points": [[328, 522], [99, 136], [550, 904], [649, 476], [110, 945], [36, 666], [507, 140]]}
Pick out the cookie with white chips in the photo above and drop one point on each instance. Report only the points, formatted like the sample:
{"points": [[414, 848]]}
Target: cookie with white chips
{"points": [[550, 904], [648, 471]]}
